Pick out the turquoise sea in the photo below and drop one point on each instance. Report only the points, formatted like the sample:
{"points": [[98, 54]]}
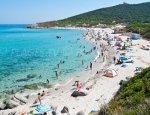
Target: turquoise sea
{"points": [[30, 56]]}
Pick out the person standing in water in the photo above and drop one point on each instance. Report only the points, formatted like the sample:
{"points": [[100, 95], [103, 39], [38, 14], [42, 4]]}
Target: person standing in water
{"points": [[47, 81], [56, 74], [91, 65], [82, 62]]}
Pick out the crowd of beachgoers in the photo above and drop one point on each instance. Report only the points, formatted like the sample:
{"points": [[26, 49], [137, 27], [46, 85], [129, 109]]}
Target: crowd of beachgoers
{"points": [[118, 58]]}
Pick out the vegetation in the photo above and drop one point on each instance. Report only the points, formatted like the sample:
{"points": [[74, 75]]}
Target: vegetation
{"points": [[133, 98], [123, 13], [142, 28], [35, 86]]}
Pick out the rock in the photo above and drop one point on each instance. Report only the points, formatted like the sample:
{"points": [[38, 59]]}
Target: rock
{"points": [[2, 106], [11, 104], [76, 94], [21, 80], [12, 113], [30, 76], [80, 113], [18, 101], [53, 112], [65, 110], [20, 98]]}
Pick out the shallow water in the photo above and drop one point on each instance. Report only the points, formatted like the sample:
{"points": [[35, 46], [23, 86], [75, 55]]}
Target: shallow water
{"points": [[38, 52]]}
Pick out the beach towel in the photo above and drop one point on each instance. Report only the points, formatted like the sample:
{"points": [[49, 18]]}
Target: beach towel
{"points": [[42, 108]]}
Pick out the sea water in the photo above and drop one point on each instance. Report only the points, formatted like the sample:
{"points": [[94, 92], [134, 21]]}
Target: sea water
{"points": [[30, 56]]}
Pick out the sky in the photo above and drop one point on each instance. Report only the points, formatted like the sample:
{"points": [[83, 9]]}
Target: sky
{"points": [[32, 11]]}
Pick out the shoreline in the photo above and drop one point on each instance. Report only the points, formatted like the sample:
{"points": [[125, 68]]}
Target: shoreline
{"points": [[78, 76], [102, 89], [60, 81]]}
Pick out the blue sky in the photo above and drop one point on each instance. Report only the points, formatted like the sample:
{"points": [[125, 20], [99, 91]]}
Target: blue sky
{"points": [[32, 11]]}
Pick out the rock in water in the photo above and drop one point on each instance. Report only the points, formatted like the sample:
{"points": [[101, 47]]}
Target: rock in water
{"points": [[2, 106], [30, 76], [23, 79]]}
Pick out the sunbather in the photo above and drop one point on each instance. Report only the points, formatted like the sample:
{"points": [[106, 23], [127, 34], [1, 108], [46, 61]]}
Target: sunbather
{"points": [[144, 48], [79, 87]]}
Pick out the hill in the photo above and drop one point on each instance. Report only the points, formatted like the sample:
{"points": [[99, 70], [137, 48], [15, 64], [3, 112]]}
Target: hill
{"points": [[123, 13], [141, 28], [133, 98]]}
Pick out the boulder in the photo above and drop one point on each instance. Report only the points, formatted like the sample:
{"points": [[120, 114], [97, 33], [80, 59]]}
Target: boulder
{"points": [[12, 113], [16, 100], [11, 104], [80, 113], [76, 94], [65, 110], [22, 80], [21, 98], [2, 106]]}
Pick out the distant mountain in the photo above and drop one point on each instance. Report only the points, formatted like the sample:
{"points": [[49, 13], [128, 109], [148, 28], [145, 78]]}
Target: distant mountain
{"points": [[123, 13]]}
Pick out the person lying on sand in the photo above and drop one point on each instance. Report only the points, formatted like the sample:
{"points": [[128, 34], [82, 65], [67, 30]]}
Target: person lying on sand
{"points": [[79, 86], [22, 113], [144, 47]]}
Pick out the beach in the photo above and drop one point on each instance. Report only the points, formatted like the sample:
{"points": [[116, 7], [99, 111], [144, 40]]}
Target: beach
{"points": [[101, 89]]}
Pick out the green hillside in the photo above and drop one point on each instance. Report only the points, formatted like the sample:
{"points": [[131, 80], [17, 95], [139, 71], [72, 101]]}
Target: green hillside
{"points": [[142, 28], [133, 98], [123, 13]]}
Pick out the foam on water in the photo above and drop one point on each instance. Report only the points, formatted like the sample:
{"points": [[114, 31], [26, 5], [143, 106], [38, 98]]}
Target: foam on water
{"points": [[38, 51]]}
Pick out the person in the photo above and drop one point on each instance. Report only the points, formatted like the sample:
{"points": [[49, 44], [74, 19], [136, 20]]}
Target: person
{"points": [[91, 65], [43, 93], [58, 66], [44, 113], [47, 81], [76, 83], [79, 86], [82, 62], [114, 59], [39, 98], [56, 74], [102, 53]]}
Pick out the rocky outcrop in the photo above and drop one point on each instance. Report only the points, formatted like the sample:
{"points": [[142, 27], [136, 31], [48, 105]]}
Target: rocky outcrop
{"points": [[15, 101], [11, 104], [21, 98], [2, 106], [30, 76]]}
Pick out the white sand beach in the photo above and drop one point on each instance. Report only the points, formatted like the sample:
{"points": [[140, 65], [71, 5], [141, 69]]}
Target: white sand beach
{"points": [[101, 89]]}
